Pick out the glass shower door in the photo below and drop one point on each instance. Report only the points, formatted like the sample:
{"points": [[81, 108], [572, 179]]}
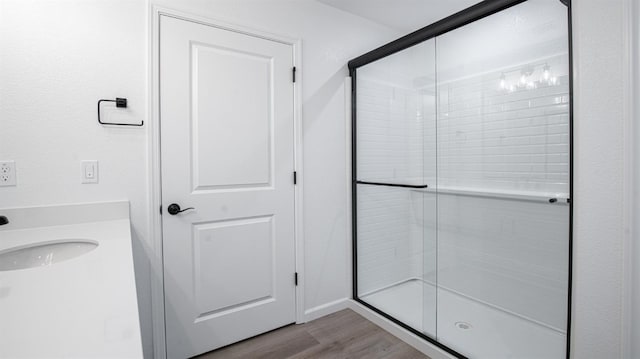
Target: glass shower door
{"points": [[395, 166], [503, 183], [462, 182]]}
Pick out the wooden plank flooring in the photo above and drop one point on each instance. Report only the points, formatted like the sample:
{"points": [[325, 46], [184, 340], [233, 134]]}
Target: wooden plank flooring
{"points": [[342, 335]]}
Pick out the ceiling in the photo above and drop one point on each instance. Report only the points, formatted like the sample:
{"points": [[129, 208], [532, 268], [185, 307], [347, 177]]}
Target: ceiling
{"points": [[402, 15]]}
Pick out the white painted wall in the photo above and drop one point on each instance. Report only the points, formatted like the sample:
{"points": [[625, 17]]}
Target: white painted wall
{"points": [[599, 49], [633, 337], [57, 58]]}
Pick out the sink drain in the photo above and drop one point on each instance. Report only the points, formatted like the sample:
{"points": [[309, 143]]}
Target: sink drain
{"points": [[463, 325]]}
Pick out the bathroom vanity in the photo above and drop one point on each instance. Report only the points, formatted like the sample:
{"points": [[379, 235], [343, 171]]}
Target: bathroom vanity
{"points": [[67, 285]]}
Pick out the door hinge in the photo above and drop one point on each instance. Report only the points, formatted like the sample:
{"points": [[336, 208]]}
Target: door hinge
{"points": [[294, 74], [295, 177], [295, 278]]}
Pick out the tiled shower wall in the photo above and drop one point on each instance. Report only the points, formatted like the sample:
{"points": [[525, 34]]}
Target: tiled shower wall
{"points": [[390, 133], [495, 139], [385, 248], [390, 137]]}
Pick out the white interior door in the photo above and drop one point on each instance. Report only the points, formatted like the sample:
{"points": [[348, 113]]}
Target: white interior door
{"points": [[227, 141]]}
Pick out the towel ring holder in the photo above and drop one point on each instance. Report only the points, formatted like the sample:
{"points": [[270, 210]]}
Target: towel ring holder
{"points": [[120, 103]]}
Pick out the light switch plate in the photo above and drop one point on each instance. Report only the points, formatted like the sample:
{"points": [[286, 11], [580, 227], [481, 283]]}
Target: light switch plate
{"points": [[89, 171], [7, 173]]}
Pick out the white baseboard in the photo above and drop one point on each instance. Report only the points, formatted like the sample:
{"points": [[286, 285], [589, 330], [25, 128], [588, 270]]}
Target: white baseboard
{"points": [[326, 309], [406, 336]]}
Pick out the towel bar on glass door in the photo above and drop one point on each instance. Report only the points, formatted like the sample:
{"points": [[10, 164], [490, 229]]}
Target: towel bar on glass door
{"points": [[393, 184]]}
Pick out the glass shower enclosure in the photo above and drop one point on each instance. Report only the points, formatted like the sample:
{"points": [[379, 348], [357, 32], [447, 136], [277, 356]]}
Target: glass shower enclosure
{"points": [[462, 180]]}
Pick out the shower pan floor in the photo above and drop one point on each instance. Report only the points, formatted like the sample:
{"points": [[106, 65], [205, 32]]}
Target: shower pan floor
{"points": [[466, 325]]}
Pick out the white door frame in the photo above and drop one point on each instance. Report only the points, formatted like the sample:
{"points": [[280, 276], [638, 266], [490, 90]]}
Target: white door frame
{"points": [[155, 185]]}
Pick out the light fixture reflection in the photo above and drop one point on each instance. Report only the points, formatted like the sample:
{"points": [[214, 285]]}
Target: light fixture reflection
{"points": [[546, 74], [528, 78]]}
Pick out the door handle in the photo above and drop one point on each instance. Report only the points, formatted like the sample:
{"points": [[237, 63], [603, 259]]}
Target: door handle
{"points": [[174, 209]]}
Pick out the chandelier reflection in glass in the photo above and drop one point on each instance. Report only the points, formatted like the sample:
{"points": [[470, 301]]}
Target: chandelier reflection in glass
{"points": [[527, 78]]}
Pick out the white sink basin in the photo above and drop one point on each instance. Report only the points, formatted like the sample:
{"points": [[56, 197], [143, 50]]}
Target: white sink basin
{"points": [[44, 253]]}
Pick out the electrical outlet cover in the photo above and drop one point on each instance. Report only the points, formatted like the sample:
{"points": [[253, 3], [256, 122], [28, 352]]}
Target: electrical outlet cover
{"points": [[7, 173]]}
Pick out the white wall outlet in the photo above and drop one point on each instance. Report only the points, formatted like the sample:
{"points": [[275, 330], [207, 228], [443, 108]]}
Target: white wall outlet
{"points": [[89, 171], [7, 173]]}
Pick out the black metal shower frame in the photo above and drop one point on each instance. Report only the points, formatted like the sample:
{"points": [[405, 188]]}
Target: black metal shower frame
{"points": [[459, 19]]}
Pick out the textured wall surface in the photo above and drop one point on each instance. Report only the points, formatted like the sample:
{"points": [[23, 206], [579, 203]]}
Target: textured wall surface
{"points": [[599, 49], [633, 337]]}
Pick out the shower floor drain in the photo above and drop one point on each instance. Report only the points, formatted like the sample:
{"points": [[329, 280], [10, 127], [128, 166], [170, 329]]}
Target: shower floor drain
{"points": [[463, 325]]}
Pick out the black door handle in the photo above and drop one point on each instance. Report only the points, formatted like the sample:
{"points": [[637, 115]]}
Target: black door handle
{"points": [[174, 209]]}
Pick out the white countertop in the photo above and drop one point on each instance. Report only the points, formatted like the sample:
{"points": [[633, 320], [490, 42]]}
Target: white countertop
{"points": [[85, 307]]}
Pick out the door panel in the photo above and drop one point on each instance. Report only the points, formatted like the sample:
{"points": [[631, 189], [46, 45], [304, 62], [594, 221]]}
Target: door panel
{"points": [[215, 257], [395, 131], [250, 77], [503, 178], [227, 150]]}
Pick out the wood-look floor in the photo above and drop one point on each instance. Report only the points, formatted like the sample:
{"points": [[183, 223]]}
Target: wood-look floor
{"points": [[341, 335]]}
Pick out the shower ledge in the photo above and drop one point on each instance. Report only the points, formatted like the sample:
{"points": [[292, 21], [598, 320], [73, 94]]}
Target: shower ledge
{"points": [[84, 307], [529, 196]]}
